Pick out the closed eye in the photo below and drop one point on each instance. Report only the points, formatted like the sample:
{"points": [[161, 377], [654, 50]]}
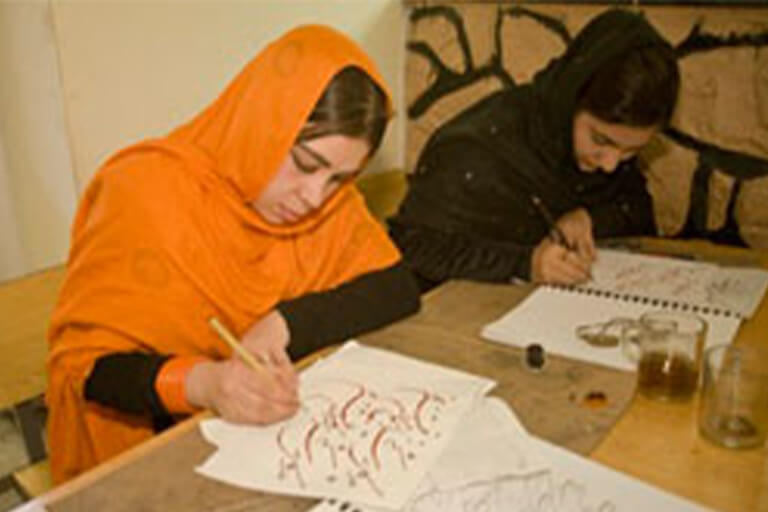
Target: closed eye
{"points": [[305, 167], [343, 177]]}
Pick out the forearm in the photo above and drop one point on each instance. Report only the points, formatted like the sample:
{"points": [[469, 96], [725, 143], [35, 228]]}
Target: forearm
{"points": [[125, 381], [439, 256], [144, 384], [360, 305]]}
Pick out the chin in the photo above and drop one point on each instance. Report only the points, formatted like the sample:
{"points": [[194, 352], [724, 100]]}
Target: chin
{"points": [[269, 217]]}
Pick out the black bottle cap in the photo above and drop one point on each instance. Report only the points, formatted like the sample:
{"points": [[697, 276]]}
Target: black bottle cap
{"points": [[535, 356]]}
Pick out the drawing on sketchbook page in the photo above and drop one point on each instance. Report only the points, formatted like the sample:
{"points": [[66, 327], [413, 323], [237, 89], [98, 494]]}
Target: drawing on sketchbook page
{"points": [[702, 285], [655, 277], [540, 491], [537, 491], [350, 442]]}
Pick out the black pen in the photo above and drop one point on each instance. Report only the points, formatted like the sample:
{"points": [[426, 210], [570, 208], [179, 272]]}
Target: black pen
{"points": [[554, 232]]}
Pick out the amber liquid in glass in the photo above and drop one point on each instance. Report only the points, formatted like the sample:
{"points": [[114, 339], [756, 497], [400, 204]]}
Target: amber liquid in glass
{"points": [[667, 376]]}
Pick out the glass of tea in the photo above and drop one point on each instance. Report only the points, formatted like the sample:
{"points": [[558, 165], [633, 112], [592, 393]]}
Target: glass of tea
{"points": [[733, 411], [667, 346]]}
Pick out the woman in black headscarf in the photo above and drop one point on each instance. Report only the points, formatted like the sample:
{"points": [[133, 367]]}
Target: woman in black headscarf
{"points": [[562, 146]]}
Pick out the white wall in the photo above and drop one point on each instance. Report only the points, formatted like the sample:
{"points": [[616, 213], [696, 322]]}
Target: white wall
{"points": [[84, 78], [132, 69], [37, 194]]}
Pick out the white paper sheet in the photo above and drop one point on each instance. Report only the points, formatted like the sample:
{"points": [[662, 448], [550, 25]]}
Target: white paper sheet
{"points": [[492, 465], [550, 316], [372, 423]]}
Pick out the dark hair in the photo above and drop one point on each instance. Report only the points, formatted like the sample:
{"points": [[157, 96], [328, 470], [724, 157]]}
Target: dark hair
{"points": [[353, 105], [638, 88]]}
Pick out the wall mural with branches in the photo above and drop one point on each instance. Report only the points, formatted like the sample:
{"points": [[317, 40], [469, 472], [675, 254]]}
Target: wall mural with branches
{"points": [[708, 173]]}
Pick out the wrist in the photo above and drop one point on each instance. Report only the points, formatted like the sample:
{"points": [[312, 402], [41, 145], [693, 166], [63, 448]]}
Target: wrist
{"points": [[201, 385], [281, 327], [172, 384]]}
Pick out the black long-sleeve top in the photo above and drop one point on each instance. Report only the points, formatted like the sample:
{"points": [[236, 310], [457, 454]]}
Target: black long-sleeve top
{"points": [[125, 381], [458, 221]]}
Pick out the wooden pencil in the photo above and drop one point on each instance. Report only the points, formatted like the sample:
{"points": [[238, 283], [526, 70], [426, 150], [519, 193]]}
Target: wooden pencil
{"points": [[233, 342], [554, 231]]}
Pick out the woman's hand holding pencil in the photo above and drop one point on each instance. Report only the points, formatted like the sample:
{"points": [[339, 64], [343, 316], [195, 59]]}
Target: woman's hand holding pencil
{"points": [[252, 386], [566, 255]]}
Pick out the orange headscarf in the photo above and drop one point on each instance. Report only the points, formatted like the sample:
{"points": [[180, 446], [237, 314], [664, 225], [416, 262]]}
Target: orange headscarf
{"points": [[163, 239]]}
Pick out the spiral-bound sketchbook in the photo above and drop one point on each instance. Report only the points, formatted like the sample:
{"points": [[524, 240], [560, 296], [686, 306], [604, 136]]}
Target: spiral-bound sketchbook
{"points": [[628, 285]]}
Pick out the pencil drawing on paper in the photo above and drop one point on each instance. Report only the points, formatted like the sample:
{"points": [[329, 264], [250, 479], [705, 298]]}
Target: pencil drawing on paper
{"points": [[350, 435], [644, 277], [539, 491]]}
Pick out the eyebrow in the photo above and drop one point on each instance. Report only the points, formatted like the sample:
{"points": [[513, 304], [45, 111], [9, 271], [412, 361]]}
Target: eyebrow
{"points": [[613, 142], [314, 154], [324, 162]]}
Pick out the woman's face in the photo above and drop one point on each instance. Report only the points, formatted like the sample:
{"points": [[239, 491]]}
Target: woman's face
{"points": [[309, 175], [601, 146]]}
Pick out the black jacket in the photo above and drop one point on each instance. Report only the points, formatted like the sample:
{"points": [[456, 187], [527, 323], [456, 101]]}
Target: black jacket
{"points": [[468, 212]]}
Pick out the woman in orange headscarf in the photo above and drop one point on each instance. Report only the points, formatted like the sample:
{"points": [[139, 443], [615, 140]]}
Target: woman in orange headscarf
{"points": [[248, 213]]}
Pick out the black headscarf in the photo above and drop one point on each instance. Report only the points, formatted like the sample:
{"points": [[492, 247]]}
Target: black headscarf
{"points": [[556, 89], [531, 125]]}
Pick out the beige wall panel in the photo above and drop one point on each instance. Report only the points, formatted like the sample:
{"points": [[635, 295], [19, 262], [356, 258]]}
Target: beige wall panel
{"points": [[133, 70]]}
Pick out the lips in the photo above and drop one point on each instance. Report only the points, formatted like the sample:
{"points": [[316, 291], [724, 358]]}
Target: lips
{"points": [[286, 214], [587, 166]]}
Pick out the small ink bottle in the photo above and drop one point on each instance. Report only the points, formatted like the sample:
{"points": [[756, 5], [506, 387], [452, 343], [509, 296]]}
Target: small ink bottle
{"points": [[535, 357]]}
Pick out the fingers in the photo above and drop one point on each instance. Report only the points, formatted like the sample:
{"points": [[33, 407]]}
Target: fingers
{"points": [[278, 363], [257, 410], [578, 265], [576, 225], [287, 377], [561, 266], [585, 246], [249, 396], [272, 383]]}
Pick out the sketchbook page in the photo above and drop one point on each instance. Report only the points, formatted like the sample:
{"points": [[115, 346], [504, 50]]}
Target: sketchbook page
{"points": [[575, 483], [706, 285], [550, 316], [528, 474], [740, 289], [371, 424]]}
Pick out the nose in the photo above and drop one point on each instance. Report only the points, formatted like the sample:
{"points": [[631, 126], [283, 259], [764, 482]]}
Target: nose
{"points": [[609, 159], [313, 192]]}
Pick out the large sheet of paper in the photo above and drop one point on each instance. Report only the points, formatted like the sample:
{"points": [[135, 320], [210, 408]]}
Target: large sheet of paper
{"points": [[493, 465], [550, 316], [371, 424]]}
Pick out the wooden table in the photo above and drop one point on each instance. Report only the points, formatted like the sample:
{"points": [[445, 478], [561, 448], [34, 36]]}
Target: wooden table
{"points": [[655, 442], [26, 305]]}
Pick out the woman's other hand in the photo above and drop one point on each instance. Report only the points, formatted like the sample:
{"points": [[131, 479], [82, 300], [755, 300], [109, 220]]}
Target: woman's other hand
{"points": [[576, 225], [554, 264], [240, 394]]}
